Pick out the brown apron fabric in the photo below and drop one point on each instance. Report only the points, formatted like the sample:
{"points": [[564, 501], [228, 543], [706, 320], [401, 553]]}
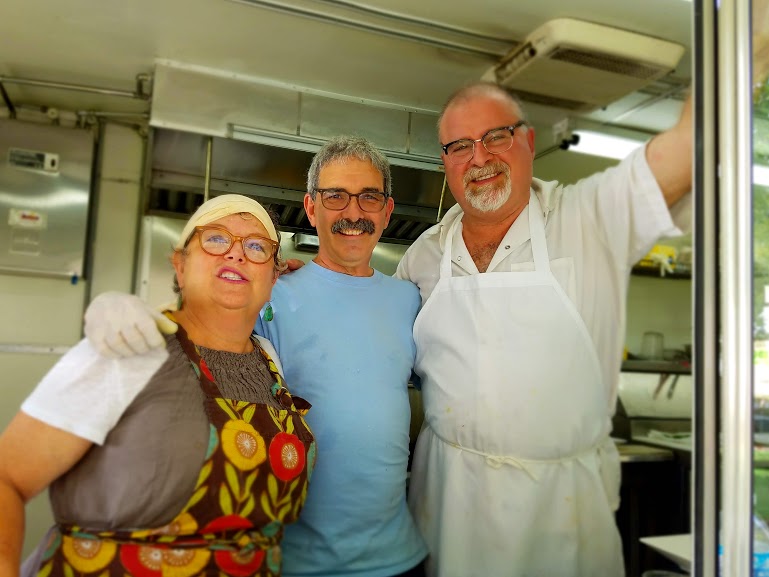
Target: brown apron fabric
{"points": [[252, 482]]}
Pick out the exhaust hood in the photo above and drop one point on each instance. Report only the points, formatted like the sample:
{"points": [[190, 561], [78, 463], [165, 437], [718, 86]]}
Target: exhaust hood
{"points": [[277, 178]]}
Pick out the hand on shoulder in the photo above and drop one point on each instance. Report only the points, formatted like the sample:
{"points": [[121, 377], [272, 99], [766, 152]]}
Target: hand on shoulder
{"points": [[122, 325]]}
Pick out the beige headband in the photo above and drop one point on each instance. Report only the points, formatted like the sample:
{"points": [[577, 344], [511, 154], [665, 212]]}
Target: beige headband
{"points": [[222, 206]]}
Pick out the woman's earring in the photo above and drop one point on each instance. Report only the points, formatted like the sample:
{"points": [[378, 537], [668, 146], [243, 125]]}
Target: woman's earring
{"points": [[268, 312]]}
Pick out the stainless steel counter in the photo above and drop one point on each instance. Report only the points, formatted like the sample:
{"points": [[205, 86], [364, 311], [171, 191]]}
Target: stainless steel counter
{"points": [[632, 453]]}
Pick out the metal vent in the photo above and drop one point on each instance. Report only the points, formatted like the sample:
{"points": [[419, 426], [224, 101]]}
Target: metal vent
{"points": [[406, 222], [276, 178], [546, 100], [580, 66], [607, 63]]}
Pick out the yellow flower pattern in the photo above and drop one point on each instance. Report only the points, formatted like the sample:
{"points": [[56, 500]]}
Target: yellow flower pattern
{"points": [[243, 445], [88, 555]]}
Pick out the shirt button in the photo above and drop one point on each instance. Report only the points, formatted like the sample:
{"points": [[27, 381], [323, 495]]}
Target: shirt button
{"points": [[459, 258], [507, 247]]}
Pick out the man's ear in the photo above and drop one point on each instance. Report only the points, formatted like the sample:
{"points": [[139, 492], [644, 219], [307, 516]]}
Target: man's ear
{"points": [[530, 137], [309, 208], [389, 210]]}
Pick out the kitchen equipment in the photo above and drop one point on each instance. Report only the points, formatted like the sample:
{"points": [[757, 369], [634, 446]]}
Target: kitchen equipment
{"points": [[677, 548], [663, 379], [45, 185], [652, 346], [647, 395], [660, 257], [633, 453]]}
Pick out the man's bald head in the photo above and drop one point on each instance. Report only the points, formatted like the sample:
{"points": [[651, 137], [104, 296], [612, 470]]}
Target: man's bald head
{"points": [[482, 90]]}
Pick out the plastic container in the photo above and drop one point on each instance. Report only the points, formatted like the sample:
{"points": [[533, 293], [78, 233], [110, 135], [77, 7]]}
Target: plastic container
{"points": [[652, 346]]}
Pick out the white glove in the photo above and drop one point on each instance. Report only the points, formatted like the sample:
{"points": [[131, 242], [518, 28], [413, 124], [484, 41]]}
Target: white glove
{"points": [[122, 325]]}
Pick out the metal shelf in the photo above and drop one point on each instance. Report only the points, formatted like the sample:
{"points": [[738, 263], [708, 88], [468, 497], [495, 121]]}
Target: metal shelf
{"points": [[654, 272], [667, 367]]}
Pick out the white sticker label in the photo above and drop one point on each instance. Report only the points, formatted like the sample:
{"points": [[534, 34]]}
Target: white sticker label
{"points": [[23, 218]]}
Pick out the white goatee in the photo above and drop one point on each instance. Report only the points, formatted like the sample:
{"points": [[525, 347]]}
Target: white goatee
{"points": [[488, 197]]}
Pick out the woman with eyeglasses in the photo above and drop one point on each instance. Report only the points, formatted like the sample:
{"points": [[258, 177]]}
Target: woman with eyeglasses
{"points": [[186, 461]]}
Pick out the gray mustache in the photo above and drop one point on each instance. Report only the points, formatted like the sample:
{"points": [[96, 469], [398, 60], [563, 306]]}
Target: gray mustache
{"points": [[481, 171], [362, 224]]}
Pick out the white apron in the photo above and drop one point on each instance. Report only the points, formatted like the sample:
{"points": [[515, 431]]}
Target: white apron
{"points": [[514, 473]]}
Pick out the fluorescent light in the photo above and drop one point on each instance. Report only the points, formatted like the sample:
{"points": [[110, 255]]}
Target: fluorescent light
{"points": [[761, 175], [606, 145]]}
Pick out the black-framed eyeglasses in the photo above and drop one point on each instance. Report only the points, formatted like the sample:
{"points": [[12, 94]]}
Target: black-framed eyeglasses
{"points": [[218, 241], [496, 141], [338, 199]]}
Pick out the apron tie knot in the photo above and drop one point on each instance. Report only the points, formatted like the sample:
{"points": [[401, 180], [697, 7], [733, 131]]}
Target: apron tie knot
{"points": [[496, 462], [493, 461]]}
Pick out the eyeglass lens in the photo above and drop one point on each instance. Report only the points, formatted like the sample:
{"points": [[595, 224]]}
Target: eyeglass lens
{"points": [[219, 241], [496, 142], [339, 199]]}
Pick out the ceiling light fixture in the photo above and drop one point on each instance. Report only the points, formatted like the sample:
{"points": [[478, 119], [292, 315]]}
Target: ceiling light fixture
{"points": [[605, 145], [619, 147]]}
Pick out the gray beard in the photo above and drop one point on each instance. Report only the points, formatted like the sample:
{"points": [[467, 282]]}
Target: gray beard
{"points": [[489, 198]]}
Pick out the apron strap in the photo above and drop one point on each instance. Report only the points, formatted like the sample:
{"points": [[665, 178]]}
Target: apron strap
{"points": [[445, 268], [537, 232], [207, 382]]}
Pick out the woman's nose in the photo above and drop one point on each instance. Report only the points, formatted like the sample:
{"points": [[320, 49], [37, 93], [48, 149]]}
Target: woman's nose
{"points": [[237, 252]]}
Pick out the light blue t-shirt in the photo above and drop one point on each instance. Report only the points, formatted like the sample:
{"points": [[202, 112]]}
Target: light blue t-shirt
{"points": [[346, 346]]}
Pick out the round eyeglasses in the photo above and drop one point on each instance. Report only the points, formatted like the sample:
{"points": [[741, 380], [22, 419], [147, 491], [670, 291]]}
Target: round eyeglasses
{"points": [[496, 141], [336, 199], [218, 241]]}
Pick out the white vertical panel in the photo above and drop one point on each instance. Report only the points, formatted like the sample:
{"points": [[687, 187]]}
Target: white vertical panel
{"points": [[119, 190], [735, 154]]}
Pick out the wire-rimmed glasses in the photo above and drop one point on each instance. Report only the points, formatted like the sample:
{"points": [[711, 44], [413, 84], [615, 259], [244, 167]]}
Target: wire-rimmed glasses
{"points": [[338, 199]]}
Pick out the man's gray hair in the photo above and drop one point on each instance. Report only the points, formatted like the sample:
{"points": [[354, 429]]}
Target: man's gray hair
{"points": [[488, 89], [343, 148]]}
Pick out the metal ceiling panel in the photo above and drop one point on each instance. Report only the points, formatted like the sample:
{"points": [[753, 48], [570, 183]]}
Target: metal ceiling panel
{"points": [[201, 101], [324, 118]]}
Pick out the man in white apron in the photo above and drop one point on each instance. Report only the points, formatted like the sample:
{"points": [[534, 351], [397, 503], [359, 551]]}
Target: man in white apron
{"points": [[519, 340]]}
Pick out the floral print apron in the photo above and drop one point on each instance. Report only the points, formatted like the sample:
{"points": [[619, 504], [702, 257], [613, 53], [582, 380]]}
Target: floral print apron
{"points": [[253, 481]]}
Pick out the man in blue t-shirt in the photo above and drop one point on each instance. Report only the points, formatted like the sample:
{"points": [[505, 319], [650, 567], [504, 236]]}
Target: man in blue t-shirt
{"points": [[343, 332]]}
